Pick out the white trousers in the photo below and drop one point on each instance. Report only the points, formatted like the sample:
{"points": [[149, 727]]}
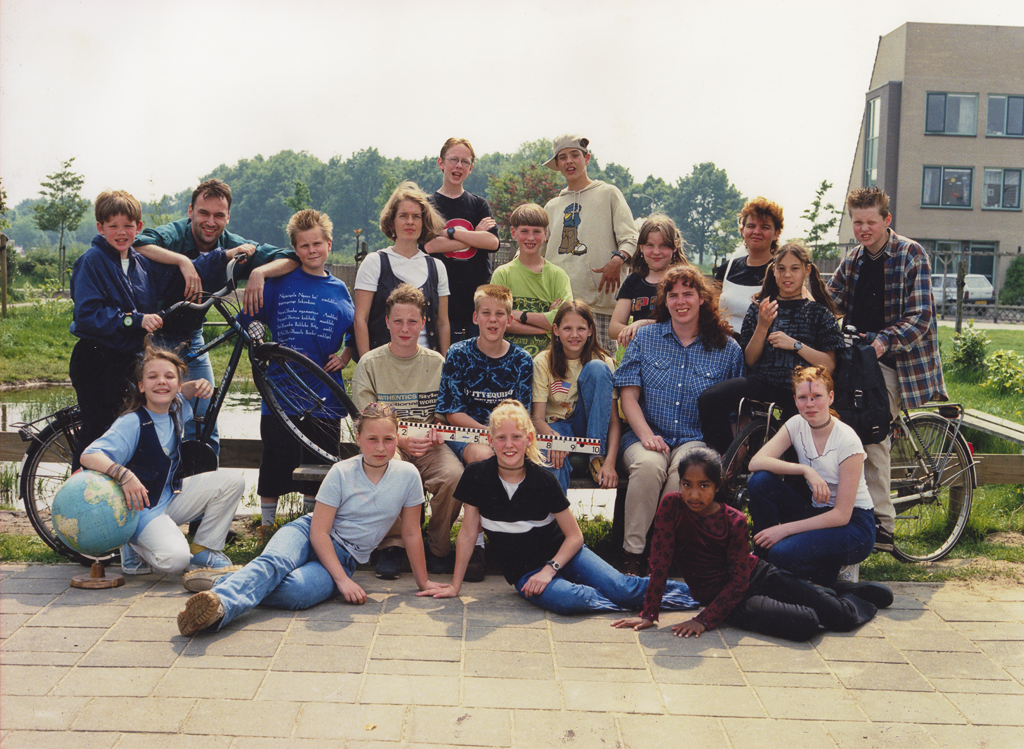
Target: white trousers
{"points": [[877, 458], [213, 495]]}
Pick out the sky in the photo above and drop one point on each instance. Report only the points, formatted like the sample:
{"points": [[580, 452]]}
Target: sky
{"points": [[150, 96]]}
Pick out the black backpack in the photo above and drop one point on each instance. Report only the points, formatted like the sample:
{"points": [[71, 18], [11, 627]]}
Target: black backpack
{"points": [[861, 399]]}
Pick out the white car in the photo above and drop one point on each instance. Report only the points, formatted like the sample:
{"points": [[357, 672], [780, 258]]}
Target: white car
{"points": [[977, 289]]}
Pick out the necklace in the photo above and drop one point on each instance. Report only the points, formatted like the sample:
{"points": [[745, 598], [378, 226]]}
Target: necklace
{"points": [[368, 464], [822, 426]]}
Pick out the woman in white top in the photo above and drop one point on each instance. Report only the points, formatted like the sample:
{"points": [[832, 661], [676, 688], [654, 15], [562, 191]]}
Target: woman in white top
{"points": [[409, 220], [812, 533], [741, 278]]}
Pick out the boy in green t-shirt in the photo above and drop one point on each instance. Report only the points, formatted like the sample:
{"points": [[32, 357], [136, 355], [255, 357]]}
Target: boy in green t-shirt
{"points": [[538, 287]]}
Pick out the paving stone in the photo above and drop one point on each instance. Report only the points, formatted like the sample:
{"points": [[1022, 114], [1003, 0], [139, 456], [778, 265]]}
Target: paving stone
{"points": [[414, 668], [959, 611], [745, 733], [321, 658], [999, 631], [1008, 654], [621, 675], [242, 718], [421, 625], [612, 697], [553, 729], [202, 683], [669, 732], [879, 736], [262, 619], [29, 680], [38, 659], [896, 677], [589, 629], [695, 670], [817, 681], [600, 654], [508, 639], [975, 737], [228, 662], [438, 607], [60, 571], [151, 629], [939, 641], [41, 713], [130, 714], [410, 647], [907, 707], [662, 642], [58, 740], [110, 682], [127, 594], [779, 659], [392, 689], [801, 703], [990, 709], [9, 623], [19, 584], [912, 619], [170, 741], [956, 665], [302, 687], [735, 637], [687, 699], [979, 686], [459, 726], [58, 616], [139, 654], [53, 639], [260, 742], [354, 634], [226, 642], [337, 610], [512, 693], [161, 606], [869, 650], [506, 616], [320, 720], [23, 603]]}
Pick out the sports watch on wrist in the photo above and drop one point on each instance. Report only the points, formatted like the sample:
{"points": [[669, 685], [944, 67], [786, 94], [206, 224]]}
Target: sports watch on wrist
{"points": [[451, 232], [797, 346], [522, 318], [553, 565], [128, 320], [621, 255]]}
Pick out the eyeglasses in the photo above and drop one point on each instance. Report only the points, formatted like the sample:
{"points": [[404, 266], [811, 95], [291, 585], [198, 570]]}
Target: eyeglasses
{"points": [[466, 163]]}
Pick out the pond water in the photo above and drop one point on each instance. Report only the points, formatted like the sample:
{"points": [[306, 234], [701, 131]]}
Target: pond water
{"points": [[239, 418]]}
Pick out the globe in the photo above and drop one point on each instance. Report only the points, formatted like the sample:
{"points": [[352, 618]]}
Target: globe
{"points": [[90, 515]]}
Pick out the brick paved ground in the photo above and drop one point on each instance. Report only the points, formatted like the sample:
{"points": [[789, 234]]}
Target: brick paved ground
{"points": [[943, 667]]}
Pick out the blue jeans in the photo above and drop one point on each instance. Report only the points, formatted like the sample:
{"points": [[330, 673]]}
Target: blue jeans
{"points": [[813, 555], [592, 414], [588, 583], [199, 369], [286, 575]]}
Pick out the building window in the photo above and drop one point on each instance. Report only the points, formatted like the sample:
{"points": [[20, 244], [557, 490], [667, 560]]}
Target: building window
{"points": [[952, 114], [1002, 189], [947, 187], [1005, 116], [872, 121]]}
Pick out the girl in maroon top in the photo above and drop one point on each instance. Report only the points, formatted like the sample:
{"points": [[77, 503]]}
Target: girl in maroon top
{"points": [[708, 540]]}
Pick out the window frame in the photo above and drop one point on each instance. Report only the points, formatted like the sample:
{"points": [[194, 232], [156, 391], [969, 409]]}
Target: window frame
{"points": [[1006, 116], [945, 102], [1002, 183], [942, 178], [872, 124]]}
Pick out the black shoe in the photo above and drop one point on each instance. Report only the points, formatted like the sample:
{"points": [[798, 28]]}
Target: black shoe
{"points": [[476, 570], [880, 596], [389, 563], [437, 565], [883, 539], [859, 612]]}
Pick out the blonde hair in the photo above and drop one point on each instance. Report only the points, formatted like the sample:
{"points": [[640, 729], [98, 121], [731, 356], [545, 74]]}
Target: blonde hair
{"points": [[309, 219], [495, 292], [433, 224], [375, 412], [514, 411], [528, 214]]}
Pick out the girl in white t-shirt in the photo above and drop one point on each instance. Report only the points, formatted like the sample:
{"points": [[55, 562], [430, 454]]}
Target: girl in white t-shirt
{"points": [[409, 220], [812, 533]]}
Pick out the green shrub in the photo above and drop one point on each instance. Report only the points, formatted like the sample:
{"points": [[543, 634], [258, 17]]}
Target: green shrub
{"points": [[1013, 287], [1005, 372], [969, 350]]}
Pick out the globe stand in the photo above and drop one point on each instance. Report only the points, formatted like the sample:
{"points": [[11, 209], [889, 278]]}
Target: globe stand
{"points": [[98, 578]]}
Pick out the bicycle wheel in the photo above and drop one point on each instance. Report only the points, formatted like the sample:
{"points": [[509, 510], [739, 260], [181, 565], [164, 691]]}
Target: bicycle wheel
{"points": [[44, 469], [931, 489], [736, 460], [308, 401]]}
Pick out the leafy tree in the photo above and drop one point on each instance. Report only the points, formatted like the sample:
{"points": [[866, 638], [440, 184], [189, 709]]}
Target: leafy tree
{"points": [[4, 223], [650, 197], [530, 184], [823, 218], [300, 200], [62, 207], [12, 266], [704, 205], [1013, 287]]}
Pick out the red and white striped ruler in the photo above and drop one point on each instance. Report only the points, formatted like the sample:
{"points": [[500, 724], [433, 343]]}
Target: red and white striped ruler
{"points": [[479, 436]]}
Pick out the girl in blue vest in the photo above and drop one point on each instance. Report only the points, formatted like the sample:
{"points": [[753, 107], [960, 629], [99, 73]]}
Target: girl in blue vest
{"points": [[140, 451]]}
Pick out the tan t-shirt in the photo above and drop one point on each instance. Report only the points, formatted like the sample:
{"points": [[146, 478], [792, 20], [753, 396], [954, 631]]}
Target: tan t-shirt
{"points": [[559, 394], [408, 385]]}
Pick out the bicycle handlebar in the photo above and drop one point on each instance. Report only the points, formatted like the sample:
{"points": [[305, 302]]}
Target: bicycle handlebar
{"points": [[229, 286]]}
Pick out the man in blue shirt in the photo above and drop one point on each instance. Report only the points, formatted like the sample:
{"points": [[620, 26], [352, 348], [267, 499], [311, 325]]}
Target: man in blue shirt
{"points": [[665, 368]]}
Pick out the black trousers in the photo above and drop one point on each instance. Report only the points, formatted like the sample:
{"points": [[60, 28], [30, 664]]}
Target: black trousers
{"points": [[102, 377], [717, 402]]}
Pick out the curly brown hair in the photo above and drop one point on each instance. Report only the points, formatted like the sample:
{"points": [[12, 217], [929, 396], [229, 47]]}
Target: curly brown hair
{"points": [[714, 332]]}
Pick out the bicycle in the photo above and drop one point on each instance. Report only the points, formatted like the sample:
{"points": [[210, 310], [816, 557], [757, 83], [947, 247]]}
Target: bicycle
{"points": [[308, 401], [763, 423]]}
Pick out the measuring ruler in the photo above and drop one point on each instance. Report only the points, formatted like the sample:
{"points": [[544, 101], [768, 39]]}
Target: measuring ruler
{"points": [[479, 436]]}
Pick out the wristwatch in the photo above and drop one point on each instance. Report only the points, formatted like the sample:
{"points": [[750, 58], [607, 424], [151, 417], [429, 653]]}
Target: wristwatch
{"points": [[553, 565], [128, 320], [451, 232], [797, 346], [621, 255], [522, 318]]}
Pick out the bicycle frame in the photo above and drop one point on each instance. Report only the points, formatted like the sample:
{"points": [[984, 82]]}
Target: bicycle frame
{"points": [[934, 466]]}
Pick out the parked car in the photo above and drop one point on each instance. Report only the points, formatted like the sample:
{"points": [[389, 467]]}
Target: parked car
{"points": [[977, 289]]}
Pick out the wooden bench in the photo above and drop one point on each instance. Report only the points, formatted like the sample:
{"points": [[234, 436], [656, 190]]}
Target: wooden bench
{"points": [[997, 469]]}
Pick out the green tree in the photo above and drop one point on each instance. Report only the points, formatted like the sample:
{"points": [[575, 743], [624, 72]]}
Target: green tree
{"points": [[823, 218], [1013, 287], [62, 207], [300, 199], [530, 184], [704, 204], [4, 223], [650, 197]]}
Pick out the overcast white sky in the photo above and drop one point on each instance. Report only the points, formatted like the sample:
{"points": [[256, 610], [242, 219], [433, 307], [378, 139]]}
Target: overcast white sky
{"points": [[150, 95]]}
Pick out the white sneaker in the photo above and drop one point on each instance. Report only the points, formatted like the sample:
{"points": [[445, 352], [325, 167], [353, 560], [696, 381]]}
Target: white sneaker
{"points": [[132, 563], [199, 580]]}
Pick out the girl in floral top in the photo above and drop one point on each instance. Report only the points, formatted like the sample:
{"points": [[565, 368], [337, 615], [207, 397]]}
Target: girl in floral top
{"points": [[708, 540]]}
